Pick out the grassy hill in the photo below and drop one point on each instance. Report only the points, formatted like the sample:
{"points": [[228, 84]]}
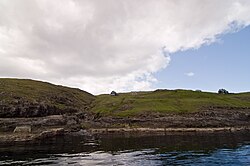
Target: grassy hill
{"points": [[29, 98], [167, 101]]}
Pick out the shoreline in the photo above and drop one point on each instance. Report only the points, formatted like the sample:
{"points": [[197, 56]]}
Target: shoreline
{"points": [[167, 130], [102, 132]]}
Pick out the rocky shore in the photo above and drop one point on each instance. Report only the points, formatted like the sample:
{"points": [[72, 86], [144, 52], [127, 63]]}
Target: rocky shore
{"points": [[100, 132], [30, 137], [39, 128], [168, 130]]}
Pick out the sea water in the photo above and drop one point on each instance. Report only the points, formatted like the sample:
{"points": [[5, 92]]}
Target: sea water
{"points": [[174, 149]]}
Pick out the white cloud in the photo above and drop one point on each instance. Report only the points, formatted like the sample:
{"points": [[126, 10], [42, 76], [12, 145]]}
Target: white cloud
{"points": [[104, 45], [190, 74]]}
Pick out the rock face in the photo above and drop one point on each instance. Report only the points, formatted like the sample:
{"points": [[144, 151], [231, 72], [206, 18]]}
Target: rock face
{"points": [[212, 117], [9, 124], [25, 109], [22, 129]]}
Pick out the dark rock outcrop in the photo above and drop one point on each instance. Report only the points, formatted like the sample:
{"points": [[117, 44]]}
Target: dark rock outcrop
{"points": [[27, 110]]}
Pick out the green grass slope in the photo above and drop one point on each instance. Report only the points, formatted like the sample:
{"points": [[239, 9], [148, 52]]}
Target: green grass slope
{"points": [[29, 98], [24, 98], [167, 101]]}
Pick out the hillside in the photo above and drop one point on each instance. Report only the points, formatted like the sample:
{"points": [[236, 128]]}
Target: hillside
{"points": [[172, 108], [167, 101], [29, 98]]}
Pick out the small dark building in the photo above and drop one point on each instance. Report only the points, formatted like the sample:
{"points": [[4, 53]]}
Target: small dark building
{"points": [[223, 91], [113, 93]]}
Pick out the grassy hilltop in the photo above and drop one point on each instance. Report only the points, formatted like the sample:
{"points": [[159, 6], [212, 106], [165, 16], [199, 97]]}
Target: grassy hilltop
{"points": [[167, 101]]}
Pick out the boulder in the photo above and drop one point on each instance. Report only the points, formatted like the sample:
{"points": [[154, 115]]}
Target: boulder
{"points": [[22, 129]]}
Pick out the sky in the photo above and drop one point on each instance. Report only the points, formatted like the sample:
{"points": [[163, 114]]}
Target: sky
{"points": [[223, 64], [127, 45]]}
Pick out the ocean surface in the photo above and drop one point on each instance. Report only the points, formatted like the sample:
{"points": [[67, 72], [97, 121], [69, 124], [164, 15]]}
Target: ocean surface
{"points": [[192, 149]]}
